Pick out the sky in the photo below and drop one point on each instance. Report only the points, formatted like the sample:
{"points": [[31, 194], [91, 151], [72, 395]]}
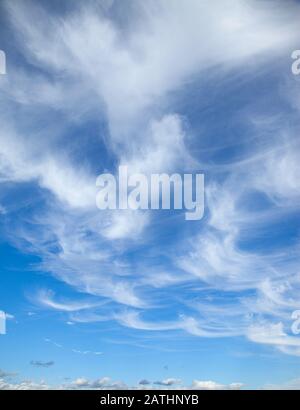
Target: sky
{"points": [[107, 299]]}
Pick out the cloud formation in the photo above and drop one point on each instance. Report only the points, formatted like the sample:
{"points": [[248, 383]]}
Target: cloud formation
{"points": [[87, 68], [39, 363]]}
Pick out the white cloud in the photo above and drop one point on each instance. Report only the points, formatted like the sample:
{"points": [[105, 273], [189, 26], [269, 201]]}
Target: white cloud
{"points": [[189, 324], [105, 383], [211, 385], [90, 65], [25, 385]]}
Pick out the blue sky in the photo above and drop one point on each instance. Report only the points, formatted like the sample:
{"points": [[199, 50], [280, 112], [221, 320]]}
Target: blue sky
{"points": [[107, 299]]}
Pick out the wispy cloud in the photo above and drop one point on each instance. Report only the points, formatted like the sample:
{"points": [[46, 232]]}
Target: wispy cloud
{"points": [[105, 383], [39, 363], [46, 298], [168, 382], [123, 264]]}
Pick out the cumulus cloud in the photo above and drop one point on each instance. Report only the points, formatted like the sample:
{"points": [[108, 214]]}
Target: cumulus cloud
{"points": [[100, 384], [211, 385], [25, 385], [106, 384], [168, 382], [132, 319]]}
